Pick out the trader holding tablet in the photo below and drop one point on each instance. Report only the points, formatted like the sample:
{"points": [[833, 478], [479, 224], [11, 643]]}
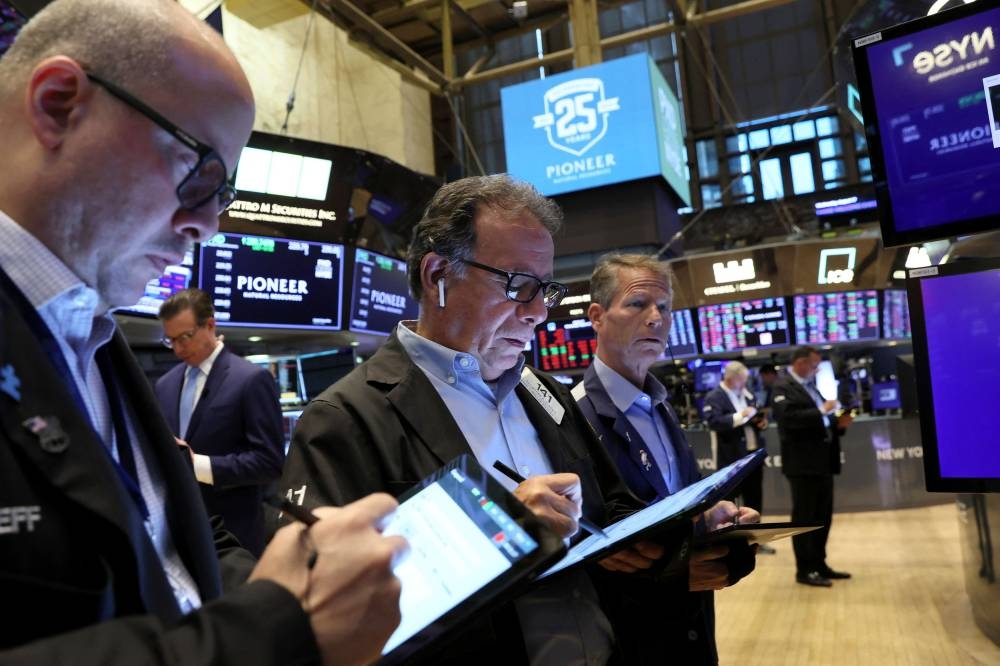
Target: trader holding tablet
{"points": [[627, 406], [453, 382]]}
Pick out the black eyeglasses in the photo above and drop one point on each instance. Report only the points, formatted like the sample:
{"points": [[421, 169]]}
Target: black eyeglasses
{"points": [[523, 287], [207, 179], [181, 339]]}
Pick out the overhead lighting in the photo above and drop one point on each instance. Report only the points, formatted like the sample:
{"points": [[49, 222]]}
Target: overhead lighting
{"points": [[575, 311], [258, 358], [899, 275], [918, 258], [254, 338], [519, 9]]}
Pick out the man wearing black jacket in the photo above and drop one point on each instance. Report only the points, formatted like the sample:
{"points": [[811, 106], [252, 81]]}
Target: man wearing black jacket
{"points": [[454, 382], [106, 553], [810, 457]]}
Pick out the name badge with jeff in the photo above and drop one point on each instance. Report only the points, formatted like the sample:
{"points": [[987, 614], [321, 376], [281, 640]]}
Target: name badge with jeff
{"points": [[541, 393]]}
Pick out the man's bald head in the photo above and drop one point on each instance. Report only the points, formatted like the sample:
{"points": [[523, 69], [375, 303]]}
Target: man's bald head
{"points": [[131, 42], [90, 174]]}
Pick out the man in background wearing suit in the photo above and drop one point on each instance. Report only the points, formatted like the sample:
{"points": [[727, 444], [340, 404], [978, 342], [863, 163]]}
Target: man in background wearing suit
{"points": [[810, 456], [628, 408], [731, 413], [226, 414]]}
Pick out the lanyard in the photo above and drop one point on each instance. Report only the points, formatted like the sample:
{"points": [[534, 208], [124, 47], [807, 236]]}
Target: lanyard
{"points": [[125, 469]]}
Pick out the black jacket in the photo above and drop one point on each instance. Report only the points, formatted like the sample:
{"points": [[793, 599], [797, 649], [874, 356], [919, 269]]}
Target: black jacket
{"points": [[730, 443], [384, 427], [80, 583], [808, 447]]}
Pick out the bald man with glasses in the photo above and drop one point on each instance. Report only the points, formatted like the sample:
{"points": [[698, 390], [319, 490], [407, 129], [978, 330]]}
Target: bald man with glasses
{"points": [[106, 553], [454, 382]]}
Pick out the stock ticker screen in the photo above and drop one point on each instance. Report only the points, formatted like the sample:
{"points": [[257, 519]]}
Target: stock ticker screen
{"points": [[565, 345], [895, 315], [381, 293], [273, 282], [845, 316], [761, 322], [683, 341]]}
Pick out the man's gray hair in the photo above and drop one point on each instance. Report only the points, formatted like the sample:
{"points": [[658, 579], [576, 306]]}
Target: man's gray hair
{"points": [[447, 225], [735, 369], [124, 41], [604, 280]]}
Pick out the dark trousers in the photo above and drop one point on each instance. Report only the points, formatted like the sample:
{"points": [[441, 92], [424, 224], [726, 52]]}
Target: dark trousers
{"points": [[812, 502], [752, 490]]}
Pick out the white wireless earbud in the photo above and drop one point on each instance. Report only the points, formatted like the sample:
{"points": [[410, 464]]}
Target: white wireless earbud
{"points": [[440, 292]]}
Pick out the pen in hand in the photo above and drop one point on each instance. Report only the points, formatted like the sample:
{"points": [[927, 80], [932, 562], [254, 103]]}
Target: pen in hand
{"points": [[299, 513], [583, 522]]}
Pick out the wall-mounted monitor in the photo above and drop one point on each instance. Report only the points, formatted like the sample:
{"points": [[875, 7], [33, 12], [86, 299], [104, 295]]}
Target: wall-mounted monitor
{"points": [[565, 345], [955, 312], [380, 293], [885, 395], [930, 95], [708, 375], [683, 340], [273, 282], [174, 279], [761, 322], [895, 315], [845, 316]]}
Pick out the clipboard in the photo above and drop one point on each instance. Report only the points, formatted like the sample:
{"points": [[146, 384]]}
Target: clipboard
{"points": [[755, 532], [662, 515]]}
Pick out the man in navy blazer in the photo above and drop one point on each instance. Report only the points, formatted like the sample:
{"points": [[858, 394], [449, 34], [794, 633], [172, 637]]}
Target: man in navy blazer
{"points": [[628, 408], [730, 411], [233, 429]]}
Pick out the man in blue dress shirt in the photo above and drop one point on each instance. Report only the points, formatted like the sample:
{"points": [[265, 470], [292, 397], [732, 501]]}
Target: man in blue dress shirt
{"points": [[628, 407]]}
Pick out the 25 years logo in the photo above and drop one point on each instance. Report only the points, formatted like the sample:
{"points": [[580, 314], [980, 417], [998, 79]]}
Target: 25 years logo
{"points": [[576, 115]]}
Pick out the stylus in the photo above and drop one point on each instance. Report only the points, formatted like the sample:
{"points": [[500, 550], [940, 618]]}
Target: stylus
{"points": [[585, 523], [299, 513]]}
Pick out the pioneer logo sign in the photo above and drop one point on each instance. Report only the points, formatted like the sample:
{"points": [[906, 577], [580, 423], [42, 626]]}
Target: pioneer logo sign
{"points": [[576, 115]]}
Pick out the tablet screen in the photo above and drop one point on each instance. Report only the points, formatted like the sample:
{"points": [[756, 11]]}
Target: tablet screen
{"points": [[683, 502], [460, 541]]}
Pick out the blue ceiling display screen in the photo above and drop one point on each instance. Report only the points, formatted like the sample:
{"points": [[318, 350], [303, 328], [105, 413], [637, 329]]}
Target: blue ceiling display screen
{"points": [[590, 127]]}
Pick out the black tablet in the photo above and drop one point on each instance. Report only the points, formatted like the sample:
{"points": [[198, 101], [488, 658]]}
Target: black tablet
{"points": [[471, 542], [756, 532], [662, 515]]}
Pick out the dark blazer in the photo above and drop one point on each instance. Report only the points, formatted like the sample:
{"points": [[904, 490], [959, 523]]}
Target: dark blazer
{"points": [[86, 559], [384, 427], [731, 443], [660, 622], [808, 447], [236, 423]]}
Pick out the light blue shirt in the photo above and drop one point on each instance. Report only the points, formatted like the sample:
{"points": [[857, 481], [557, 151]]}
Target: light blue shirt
{"points": [[490, 415], [561, 620], [639, 407], [69, 308]]}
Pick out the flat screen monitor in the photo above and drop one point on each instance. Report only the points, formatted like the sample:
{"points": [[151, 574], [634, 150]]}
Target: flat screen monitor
{"points": [[761, 322], [930, 95], [174, 279], [683, 341], [380, 293], [565, 345], [895, 315], [708, 375], [955, 310], [319, 371], [273, 282], [842, 316], [885, 395]]}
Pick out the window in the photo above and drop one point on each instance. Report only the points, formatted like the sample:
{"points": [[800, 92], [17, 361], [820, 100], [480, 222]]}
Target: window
{"points": [[711, 196], [804, 130], [830, 148], [781, 134], [770, 179], [803, 181], [827, 126], [759, 139], [708, 159]]}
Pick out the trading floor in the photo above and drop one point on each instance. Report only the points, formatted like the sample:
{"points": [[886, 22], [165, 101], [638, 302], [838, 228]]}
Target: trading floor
{"points": [[906, 604]]}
